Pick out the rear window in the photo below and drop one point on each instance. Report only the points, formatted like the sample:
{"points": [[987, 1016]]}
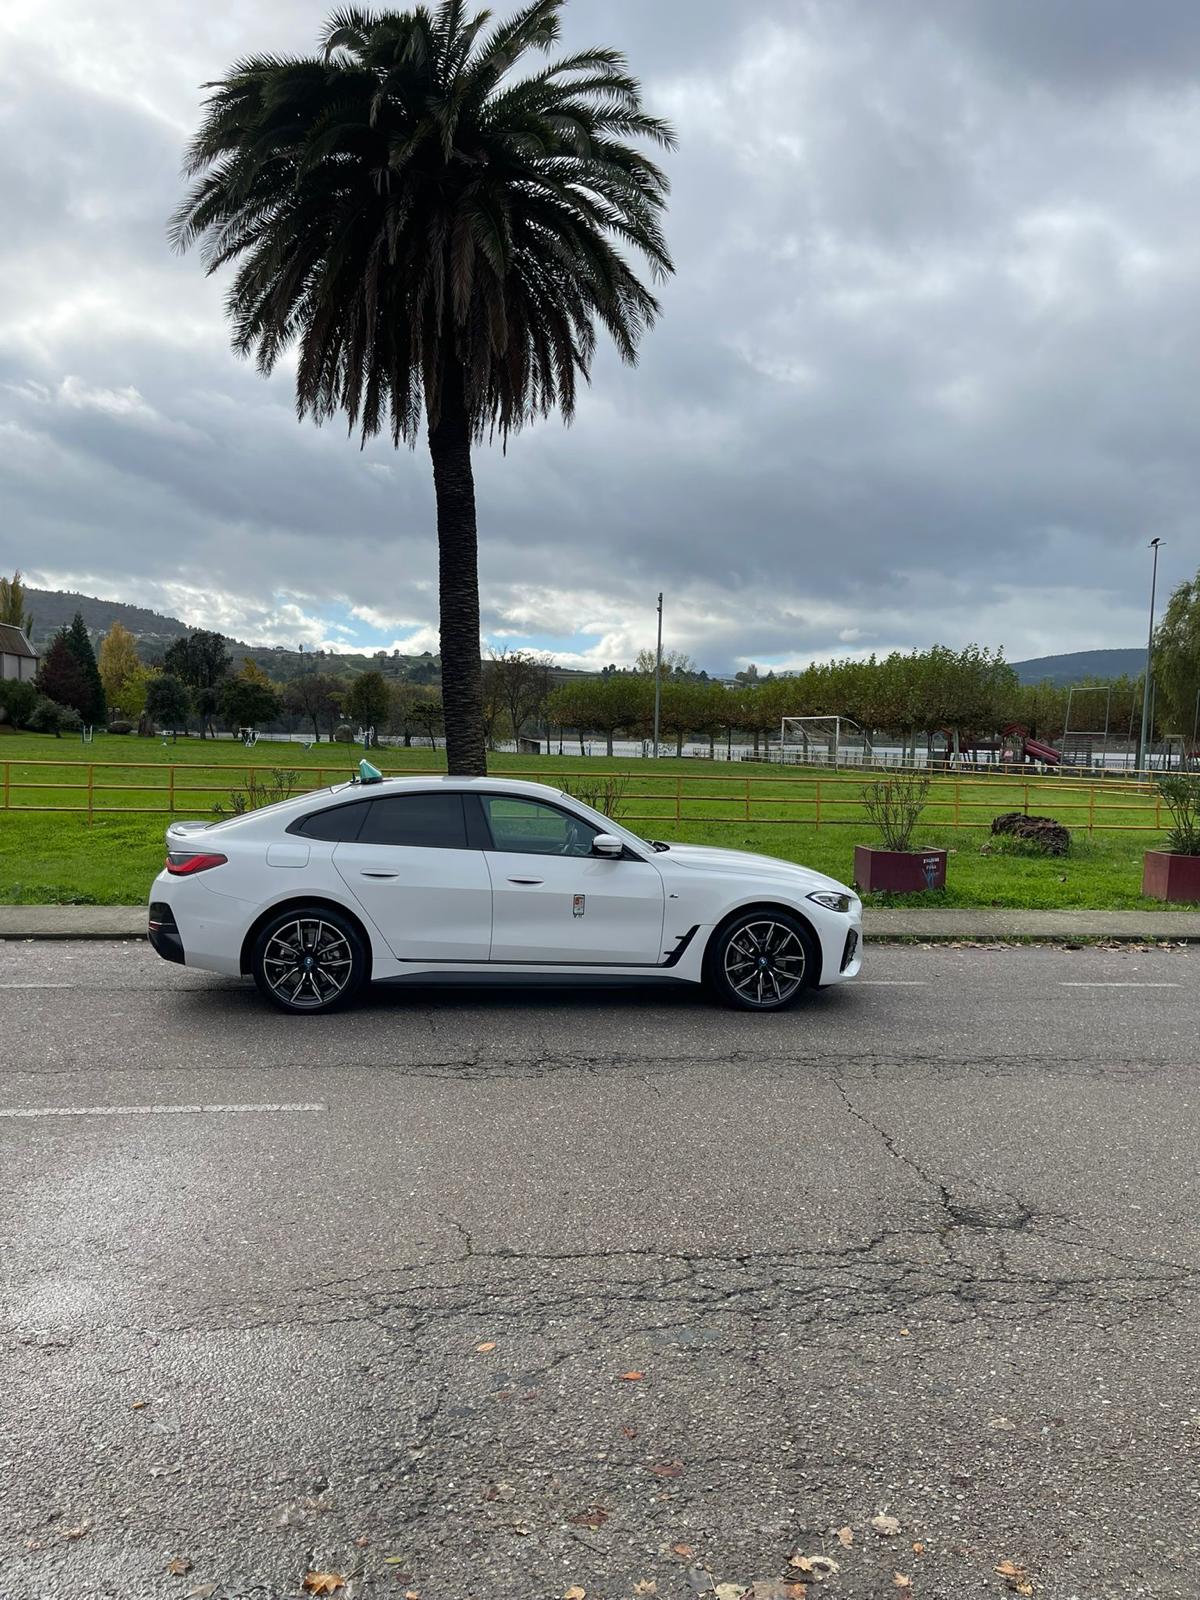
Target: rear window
{"points": [[431, 821], [338, 825]]}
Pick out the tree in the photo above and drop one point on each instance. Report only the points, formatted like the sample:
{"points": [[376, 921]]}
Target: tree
{"points": [[201, 661], [429, 715], [119, 666], [12, 605], [316, 698], [248, 701], [1177, 660], [60, 677], [675, 664], [17, 699], [167, 701], [439, 239], [79, 643], [521, 681], [367, 701]]}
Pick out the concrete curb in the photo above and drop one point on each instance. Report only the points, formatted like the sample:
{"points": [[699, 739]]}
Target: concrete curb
{"points": [[990, 926]]}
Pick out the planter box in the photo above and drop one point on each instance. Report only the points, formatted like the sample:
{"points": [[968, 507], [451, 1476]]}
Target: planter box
{"points": [[898, 871], [1170, 877]]}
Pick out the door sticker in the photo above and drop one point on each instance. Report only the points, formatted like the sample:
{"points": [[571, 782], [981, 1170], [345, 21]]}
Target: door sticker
{"points": [[578, 905]]}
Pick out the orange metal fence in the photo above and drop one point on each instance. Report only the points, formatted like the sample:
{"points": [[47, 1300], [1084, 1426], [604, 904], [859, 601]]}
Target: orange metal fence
{"points": [[794, 799]]}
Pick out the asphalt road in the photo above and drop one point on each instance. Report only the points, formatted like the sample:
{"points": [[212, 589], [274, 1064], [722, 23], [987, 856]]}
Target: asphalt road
{"points": [[501, 1295]]}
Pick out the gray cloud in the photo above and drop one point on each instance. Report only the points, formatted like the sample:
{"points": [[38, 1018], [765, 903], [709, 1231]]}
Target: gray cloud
{"points": [[926, 371]]}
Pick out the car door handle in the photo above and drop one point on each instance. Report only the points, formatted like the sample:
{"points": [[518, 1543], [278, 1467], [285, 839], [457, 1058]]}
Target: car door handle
{"points": [[531, 881], [379, 874]]}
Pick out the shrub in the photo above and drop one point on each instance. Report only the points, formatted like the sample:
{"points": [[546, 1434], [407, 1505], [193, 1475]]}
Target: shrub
{"points": [[604, 793], [17, 699], [120, 727], [48, 716], [895, 805], [1181, 791], [344, 733], [266, 789]]}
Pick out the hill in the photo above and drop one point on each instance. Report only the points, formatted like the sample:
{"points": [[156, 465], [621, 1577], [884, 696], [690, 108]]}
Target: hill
{"points": [[53, 609], [1081, 665]]}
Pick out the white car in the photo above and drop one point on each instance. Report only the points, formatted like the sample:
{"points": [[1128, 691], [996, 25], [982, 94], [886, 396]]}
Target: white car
{"points": [[474, 880]]}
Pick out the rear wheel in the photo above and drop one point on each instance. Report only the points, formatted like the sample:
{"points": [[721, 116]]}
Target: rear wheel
{"points": [[761, 961], [309, 959]]}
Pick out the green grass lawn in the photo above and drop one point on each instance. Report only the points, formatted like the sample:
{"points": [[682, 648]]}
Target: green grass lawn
{"points": [[59, 858]]}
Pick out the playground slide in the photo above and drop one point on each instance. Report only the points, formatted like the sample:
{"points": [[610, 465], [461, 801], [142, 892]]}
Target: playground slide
{"points": [[1035, 750]]}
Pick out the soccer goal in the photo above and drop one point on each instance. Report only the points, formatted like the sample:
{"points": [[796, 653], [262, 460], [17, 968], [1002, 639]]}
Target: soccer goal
{"points": [[823, 741]]}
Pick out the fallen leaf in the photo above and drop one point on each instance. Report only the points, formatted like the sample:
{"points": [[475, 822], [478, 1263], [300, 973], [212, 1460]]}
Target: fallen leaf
{"points": [[633, 1377], [904, 1333], [901, 1580], [178, 1566], [630, 1433], [918, 1548], [645, 1586], [139, 1405], [500, 1491], [845, 1537], [486, 1347], [593, 1517], [393, 1561], [323, 1582], [667, 1469], [412, 1594], [731, 1591], [522, 1529], [202, 1591], [575, 1592], [887, 1527], [362, 1541], [683, 1550], [801, 1563], [1010, 1569], [81, 1532], [1002, 1424]]}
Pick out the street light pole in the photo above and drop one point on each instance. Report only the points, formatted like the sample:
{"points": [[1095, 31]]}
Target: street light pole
{"points": [[658, 680], [1141, 755]]}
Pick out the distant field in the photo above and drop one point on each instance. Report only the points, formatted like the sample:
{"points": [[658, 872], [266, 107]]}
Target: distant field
{"points": [[48, 858]]}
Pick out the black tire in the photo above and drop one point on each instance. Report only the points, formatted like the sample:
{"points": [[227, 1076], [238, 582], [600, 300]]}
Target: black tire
{"points": [[761, 961], [308, 960]]}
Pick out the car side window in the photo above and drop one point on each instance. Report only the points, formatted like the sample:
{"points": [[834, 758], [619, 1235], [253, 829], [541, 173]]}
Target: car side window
{"points": [[530, 828], [430, 821], [338, 825]]}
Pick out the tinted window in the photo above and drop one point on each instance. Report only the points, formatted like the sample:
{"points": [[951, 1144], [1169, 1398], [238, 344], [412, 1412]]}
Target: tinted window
{"points": [[433, 821], [529, 827], [340, 824]]}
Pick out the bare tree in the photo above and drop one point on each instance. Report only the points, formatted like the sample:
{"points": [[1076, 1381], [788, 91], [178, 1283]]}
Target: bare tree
{"points": [[522, 685]]}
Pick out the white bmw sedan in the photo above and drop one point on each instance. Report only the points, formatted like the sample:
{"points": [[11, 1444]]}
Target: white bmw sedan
{"points": [[469, 880]]}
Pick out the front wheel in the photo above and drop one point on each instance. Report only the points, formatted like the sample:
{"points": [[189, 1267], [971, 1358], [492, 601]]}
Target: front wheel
{"points": [[761, 961], [309, 959]]}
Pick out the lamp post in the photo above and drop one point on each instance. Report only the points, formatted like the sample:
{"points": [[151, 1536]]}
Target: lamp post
{"points": [[1141, 754], [658, 680]]}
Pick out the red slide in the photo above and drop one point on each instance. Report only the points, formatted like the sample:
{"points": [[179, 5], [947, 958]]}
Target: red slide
{"points": [[1036, 751]]}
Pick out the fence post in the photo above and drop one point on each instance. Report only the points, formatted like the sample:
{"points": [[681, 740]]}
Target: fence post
{"points": [[91, 786], [7, 782], [1026, 799], [1158, 810], [678, 796], [1092, 811], [747, 797], [171, 790], [957, 799], [818, 821]]}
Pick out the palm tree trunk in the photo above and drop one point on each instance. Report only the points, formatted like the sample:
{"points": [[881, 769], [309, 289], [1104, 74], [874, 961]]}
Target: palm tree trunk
{"points": [[458, 580]]}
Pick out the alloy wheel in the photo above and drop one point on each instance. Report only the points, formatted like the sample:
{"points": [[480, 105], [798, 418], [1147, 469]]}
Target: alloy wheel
{"points": [[764, 963], [307, 963]]}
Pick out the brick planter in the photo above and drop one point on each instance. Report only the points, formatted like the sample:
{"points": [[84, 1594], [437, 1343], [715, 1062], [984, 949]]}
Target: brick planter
{"points": [[898, 871], [1171, 877]]}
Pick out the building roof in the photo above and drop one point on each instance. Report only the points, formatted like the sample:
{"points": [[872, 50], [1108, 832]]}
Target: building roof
{"points": [[14, 643]]}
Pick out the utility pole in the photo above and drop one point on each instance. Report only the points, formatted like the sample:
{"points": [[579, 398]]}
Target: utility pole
{"points": [[658, 680], [1142, 742]]}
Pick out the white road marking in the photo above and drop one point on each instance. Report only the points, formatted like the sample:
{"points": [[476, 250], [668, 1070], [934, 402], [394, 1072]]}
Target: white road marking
{"points": [[155, 1111], [1116, 983], [892, 983], [36, 986]]}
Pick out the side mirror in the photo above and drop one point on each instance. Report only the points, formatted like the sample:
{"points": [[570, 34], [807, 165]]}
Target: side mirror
{"points": [[606, 844]]}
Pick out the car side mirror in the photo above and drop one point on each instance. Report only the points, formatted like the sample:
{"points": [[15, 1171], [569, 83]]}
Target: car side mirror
{"points": [[606, 844]]}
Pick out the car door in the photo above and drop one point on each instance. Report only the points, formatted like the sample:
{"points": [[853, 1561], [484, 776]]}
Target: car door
{"points": [[554, 903], [426, 890]]}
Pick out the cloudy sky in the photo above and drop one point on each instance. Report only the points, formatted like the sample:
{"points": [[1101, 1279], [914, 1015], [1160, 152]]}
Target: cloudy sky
{"points": [[928, 372]]}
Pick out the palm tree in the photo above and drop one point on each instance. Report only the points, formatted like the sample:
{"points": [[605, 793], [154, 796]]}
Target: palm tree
{"points": [[439, 238]]}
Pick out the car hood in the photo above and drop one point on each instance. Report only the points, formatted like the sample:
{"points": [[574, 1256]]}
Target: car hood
{"points": [[745, 864]]}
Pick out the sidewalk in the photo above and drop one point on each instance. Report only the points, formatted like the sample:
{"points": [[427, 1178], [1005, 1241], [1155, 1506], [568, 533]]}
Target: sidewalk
{"points": [[129, 922]]}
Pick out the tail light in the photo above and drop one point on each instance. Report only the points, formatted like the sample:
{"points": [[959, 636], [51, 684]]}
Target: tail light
{"points": [[184, 863]]}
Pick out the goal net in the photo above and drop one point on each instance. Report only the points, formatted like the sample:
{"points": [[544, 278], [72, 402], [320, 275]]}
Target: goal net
{"points": [[822, 741]]}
